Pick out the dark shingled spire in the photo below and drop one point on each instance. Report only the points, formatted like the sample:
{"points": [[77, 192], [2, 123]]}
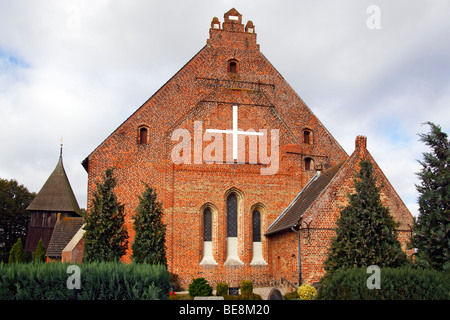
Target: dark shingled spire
{"points": [[56, 195]]}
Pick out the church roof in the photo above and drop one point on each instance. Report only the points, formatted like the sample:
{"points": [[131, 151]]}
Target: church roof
{"points": [[292, 214], [56, 195], [65, 229]]}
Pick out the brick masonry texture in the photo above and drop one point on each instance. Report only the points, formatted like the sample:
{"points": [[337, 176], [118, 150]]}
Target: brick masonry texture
{"points": [[204, 90]]}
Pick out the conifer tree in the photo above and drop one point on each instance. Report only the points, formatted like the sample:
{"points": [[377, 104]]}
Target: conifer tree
{"points": [[106, 238], [365, 233], [39, 254], [149, 241], [432, 227], [16, 253]]}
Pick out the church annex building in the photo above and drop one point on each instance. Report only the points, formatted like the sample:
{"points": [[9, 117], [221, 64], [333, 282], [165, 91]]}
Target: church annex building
{"points": [[250, 180]]}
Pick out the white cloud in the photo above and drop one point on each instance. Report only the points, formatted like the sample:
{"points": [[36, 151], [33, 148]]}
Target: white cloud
{"points": [[79, 68]]}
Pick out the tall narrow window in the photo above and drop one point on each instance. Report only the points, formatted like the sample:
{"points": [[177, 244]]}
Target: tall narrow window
{"points": [[257, 258], [208, 258], [207, 225], [232, 231], [256, 226], [232, 215], [308, 164], [143, 135], [307, 139]]}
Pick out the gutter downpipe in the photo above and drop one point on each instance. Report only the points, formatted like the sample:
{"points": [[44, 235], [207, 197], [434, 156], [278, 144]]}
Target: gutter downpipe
{"points": [[299, 257]]}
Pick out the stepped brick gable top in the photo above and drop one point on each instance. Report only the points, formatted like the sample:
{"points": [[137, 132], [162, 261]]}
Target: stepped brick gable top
{"points": [[227, 83], [316, 209]]}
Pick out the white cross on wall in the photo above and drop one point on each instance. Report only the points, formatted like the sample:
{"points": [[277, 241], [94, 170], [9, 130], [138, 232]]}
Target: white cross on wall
{"points": [[235, 132]]}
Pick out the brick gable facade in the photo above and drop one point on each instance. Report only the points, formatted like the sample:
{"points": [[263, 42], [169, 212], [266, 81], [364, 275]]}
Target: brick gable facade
{"points": [[229, 74]]}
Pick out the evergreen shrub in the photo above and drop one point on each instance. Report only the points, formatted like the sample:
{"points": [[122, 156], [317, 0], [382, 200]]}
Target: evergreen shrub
{"points": [[246, 287], [395, 284], [199, 287], [221, 289]]}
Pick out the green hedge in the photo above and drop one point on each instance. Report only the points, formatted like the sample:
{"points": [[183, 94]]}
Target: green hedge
{"points": [[395, 284], [99, 281]]}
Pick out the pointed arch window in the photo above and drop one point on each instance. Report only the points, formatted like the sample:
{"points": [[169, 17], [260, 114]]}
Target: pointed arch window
{"points": [[207, 225], [257, 253], [208, 256], [232, 215], [232, 230], [256, 226]]}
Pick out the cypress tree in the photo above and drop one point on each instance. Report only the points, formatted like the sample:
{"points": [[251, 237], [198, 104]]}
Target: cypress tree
{"points": [[365, 233], [106, 238], [39, 254], [149, 241], [16, 253], [432, 227]]}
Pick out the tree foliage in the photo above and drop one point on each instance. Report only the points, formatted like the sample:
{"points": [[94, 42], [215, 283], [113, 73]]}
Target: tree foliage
{"points": [[106, 238], [366, 232], [16, 253], [14, 219], [432, 227], [149, 241], [39, 254]]}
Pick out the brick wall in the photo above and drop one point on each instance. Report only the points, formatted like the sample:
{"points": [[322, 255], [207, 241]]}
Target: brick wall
{"points": [[204, 90]]}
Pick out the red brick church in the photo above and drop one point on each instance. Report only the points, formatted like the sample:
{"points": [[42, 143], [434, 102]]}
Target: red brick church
{"points": [[250, 179]]}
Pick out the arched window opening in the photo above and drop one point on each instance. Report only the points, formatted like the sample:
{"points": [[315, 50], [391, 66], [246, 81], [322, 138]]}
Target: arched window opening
{"points": [[143, 135], [257, 253], [233, 66], [208, 257], [207, 225], [256, 226], [232, 215], [307, 137], [232, 231]]}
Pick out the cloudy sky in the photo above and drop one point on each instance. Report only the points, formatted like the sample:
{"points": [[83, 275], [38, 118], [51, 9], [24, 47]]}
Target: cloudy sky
{"points": [[77, 69]]}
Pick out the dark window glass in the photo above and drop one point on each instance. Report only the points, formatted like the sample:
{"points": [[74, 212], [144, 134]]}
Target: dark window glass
{"points": [[307, 137], [233, 67], [256, 226], [207, 225], [308, 164], [232, 215]]}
